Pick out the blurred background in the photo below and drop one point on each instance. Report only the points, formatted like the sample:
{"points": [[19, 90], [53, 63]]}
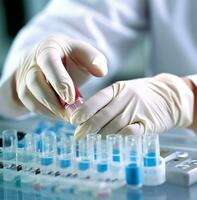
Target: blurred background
{"points": [[13, 15]]}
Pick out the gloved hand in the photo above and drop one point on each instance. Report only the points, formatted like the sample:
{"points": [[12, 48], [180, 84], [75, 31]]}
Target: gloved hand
{"points": [[50, 70], [147, 105]]}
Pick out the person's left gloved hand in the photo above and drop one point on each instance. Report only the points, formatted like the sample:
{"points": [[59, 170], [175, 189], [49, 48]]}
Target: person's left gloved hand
{"points": [[147, 105]]}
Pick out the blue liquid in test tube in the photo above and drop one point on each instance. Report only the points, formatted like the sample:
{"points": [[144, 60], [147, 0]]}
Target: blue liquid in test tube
{"points": [[133, 174], [83, 165], [83, 159], [115, 155], [102, 166], [133, 166], [66, 150], [98, 153], [93, 140], [154, 166], [115, 148], [102, 158], [48, 148], [151, 150]]}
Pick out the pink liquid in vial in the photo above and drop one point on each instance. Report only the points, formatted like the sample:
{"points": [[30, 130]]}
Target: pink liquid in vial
{"points": [[78, 101]]}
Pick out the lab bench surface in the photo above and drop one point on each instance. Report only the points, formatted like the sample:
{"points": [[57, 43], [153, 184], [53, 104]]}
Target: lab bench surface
{"points": [[166, 191], [163, 192]]}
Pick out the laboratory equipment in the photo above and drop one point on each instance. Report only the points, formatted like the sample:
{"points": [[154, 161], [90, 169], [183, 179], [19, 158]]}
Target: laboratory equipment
{"points": [[78, 101], [83, 161], [115, 154], [65, 152], [133, 160], [181, 169], [153, 164], [53, 160], [9, 146]]}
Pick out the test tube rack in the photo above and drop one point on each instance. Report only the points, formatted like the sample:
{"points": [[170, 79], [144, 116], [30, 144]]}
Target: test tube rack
{"points": [[89, 164]]}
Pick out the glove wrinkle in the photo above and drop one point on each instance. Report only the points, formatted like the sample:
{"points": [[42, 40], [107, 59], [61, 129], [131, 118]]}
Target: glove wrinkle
{"points": [[157, 104]]}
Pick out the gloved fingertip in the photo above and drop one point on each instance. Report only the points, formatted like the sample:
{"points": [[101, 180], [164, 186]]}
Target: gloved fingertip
{"points": [[100, 66], [68, 94]]}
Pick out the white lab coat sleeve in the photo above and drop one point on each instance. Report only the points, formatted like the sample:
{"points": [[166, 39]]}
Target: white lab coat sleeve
{"points": [[112, 26]]}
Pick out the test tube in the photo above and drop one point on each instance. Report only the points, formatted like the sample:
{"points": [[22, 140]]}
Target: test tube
{"points": [[65, 151], [26, 151], [48, 149], [115, 145], [78, 101], [83, 160], [9, 144], [154, 165], [151, 150], [102, 158], [27, 157], [115, 154], [92, 140], [133, 161]]}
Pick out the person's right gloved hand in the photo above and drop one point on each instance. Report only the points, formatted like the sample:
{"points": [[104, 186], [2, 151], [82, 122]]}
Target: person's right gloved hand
{"points": [[49, 70]]}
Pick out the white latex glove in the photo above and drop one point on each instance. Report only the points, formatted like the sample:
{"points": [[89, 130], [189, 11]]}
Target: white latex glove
{"points": [[147, 105], [49, 70]]}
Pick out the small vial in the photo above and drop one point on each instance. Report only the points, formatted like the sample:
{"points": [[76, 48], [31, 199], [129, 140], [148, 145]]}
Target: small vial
{"points": [[115, 145], [115, 154], [133, 161], [83, 160], [93, 140], [65, 151], [102, 158], [9, 144], [154, 165], [151, 150], [78, 101], [48, 149], [26, 148], [27, 157]]}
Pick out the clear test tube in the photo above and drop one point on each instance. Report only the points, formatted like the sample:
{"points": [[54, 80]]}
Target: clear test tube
{"points": [[26, 149], [102, 165], [115, 154], [9, 145], [65, 152], [154, 165], [92, 140], [151, 150], [115, 147], [83, 160], [48, 149], [27, 157], [133, 160]]}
